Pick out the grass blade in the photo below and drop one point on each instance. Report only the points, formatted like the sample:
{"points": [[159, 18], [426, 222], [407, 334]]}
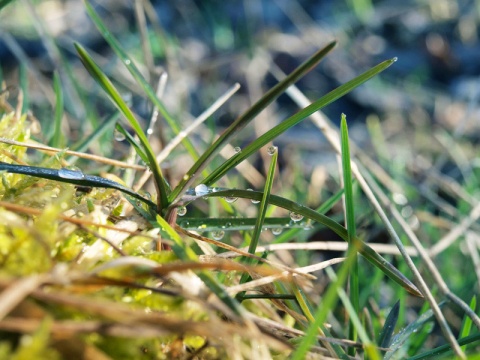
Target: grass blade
{"points": [[351, 228], [58, 138], [112, 92], [137, 75], [467, 322], [293, 120], [74, 177], [246, 117], [366, 251], [4, 3], [387, 332], [262, 211]]}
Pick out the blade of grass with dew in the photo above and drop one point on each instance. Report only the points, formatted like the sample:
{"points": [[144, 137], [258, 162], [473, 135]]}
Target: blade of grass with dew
{"points": [[262, 211], [273, 133], [467, 322], [235, 224], [246, 117], [146, 87], [386, 334], [58, 139], [112, 92], [320, 315], [322, 209], [186, 253], [351, 227], [74, 177], [131, 140], [366, 251]]}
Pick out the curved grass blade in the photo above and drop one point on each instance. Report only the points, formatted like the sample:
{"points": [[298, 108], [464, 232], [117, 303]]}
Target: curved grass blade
{"points": [[137, 75], [112, 92], [293, 120], [4, 3], [74, 177], [351, 228], [246, 117], [387, 332], [366, 251]]}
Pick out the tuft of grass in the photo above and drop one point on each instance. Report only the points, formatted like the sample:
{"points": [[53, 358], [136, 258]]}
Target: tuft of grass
{"points": [[91, 262]]}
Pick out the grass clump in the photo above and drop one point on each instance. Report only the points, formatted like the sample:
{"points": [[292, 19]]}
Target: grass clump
{"points": [[92, 263]]}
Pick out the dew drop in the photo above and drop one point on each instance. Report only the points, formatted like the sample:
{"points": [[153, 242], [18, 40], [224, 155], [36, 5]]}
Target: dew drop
{"points": [[253, 200], [149, 131], [218, 235], [127, 62], [71, 173], [395, 59], [230, 199], [181, 211], [277, 230], [228, 224], [237, 149], [118, 136], [272, 150], [201, 190], [295, 217]]}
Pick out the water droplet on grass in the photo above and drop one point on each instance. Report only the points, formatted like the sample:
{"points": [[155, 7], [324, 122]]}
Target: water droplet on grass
{"points": [[182, 210], [295, 217], [127, 62], [237, 149], [253, 200], [118, 135], [218, 235], [230, 199], [277, 230], [272, 150], [201, 190], [71, 173]]}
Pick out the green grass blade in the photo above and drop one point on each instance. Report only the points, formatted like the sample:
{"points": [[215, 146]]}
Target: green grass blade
{"points": [[387, 331], [322, 209], [4, 3], [351, 227], [248, 116], [293, 120], [57, 138], [112, 92], [137, 75], [433, 354], [366, 251], [467, 322], [74, 177], [262, 211]]}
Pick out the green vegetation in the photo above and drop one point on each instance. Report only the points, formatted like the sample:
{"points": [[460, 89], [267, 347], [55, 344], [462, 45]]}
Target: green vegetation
{"points": [[94, 267]]}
